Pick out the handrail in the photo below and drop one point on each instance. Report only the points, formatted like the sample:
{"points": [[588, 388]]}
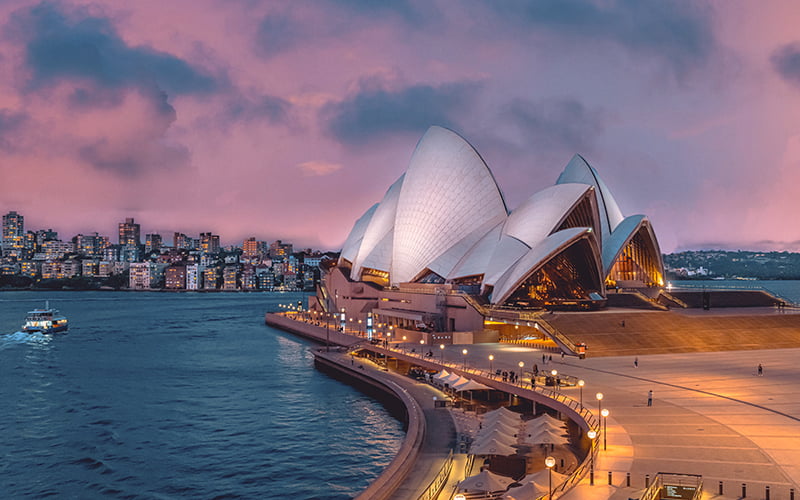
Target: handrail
{"points": [[674, 299], [553, 332], [433, 489], [667, 479]]}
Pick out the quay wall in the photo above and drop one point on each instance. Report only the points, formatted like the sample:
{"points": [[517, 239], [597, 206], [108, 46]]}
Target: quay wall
{"points": [[392, 477]]}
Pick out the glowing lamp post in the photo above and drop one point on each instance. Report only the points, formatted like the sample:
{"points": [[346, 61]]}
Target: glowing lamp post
{"points": [[554, 373], [550, 462], [521, 366], [599, 397], [604, 412], [491, 364], [343, 321], [404, 342], [421, 347], [441, 349], [592, 435], [464, 352], [581, 383]]}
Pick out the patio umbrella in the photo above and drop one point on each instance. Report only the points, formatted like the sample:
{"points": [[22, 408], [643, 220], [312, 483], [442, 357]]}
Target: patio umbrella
{"points": [[528, 491], [501, 426], [540, 477], [486, 482], [547, 436], [492, 447], [499, 436]]}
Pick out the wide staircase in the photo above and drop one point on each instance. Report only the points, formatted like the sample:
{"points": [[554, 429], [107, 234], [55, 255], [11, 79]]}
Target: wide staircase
{"points": [[654, 332]]}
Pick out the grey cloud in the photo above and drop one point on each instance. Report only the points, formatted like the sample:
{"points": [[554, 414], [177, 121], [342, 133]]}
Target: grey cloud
{"points": [[786, 61], [10, 123], [374, 112], [272, 109], [61, 45], [679, 33], [557, 125], [277, 33]]}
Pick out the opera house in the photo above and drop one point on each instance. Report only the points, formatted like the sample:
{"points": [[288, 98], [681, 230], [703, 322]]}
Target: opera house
{"points": [[441, 256]]}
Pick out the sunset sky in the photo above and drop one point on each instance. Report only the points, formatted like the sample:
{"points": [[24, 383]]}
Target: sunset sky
{"points": [[289, 119]]}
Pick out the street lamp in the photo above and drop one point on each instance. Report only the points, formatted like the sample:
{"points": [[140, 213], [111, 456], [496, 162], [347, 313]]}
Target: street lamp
{"points": [[581, 383], [464, 352], [599, 397], [550, 462], [554, 373], [592, 435], [441, 348], [404, 342], [421, 347], [521, 365], [604, 412], [491, 363]]}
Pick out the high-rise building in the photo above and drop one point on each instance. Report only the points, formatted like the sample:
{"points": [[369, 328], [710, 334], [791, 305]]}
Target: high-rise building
{"points": [[211, 277], [13, 235], [181, 242], [89, 245], [250, 248], [231, 276], [152, 242], [209, 243], [279, 249], [139, 275], [129, 233]]}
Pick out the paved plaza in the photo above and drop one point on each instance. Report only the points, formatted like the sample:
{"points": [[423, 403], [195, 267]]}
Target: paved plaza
{"points": [[712, 415]]}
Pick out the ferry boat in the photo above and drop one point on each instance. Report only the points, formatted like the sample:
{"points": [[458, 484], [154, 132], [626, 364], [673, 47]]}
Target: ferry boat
{"points": [[45, 320]]}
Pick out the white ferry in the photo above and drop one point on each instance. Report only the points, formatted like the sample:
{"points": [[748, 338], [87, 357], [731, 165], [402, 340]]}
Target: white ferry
{"points": [[45, 320]]}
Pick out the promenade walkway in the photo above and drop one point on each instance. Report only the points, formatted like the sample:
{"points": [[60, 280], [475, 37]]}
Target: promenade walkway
{"points": [[712, 414]]}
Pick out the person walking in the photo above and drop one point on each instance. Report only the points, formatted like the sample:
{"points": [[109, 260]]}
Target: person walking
{"points": [[650, 398], [636, 362], [760, 370]]}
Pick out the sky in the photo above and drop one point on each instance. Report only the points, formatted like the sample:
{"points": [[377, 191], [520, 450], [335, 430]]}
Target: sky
{"points": [[290, 119]]}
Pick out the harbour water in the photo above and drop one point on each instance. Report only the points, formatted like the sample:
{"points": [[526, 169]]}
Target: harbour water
{"points": [[160, 395]]}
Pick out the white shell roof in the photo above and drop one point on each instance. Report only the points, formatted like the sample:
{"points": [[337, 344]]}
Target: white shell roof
{"points": [[448, 191], [451, 263], [508, 251], [353, 241], [542, 213], [578, 170], [622, 235], [534, 259], [380, 225]]}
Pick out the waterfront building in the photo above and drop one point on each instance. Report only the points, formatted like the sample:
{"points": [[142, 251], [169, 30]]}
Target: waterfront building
{"points": [[248, 278], [9, 268], [175, 277], [13, 244], [209, 243], [90, 245], [230, 278], [441, 251], [54, 249], [30, 268], [129, 253], [71, 268], [129, 233], [51, 269], [211, 278], [152, 242], [105, 268], [30, 244], [90, 268], [265, 278], [43, 235], [193, 277], [139, 278]]}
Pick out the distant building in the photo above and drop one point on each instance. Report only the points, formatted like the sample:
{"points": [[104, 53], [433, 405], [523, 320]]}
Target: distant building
{"points": [[13, 235], [152, 242], [175, 277], [209, 243], [30, 268], [193, 277], [71, 268], [248, 279], [211, 277], [279, 249], [51, 269], [90, 245], [111, 253], [90, 268], [129, 253], [129, 233], [139, 275], [57, 249], [231, 276], [181, 242], [105, 269]]}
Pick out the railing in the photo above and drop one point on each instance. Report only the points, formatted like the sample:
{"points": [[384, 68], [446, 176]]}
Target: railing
{"points": [[433, 490], [686, 486], [557, 335], [637, 293], [674, 299]]}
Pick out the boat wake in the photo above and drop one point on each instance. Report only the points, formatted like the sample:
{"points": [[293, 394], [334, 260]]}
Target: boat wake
{"points": [[16, 338]]}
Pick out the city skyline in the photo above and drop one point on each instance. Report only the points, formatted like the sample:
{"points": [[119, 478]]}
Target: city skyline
{"points": [[258, 118]]}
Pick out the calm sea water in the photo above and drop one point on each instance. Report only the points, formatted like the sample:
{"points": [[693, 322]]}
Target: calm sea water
{"points": [[156, 395], [786, 289]]}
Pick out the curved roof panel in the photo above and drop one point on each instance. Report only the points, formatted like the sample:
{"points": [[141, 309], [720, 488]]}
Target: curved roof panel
{"points": [[508, 251], [448, 191], [381, 224], [475, 260], [542, 213], [578, 170], [353, 241], [445, 264], [622, 235], [539, 256]]}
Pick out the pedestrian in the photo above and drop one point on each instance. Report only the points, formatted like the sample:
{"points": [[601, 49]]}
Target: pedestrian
{"points": [[650, 398], [760, 370], [550, 359], [636, 362], [562, 355], [535, 369], [544, 361]]}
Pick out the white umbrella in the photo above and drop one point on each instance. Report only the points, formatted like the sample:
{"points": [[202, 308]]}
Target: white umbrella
{"points": [[548, 436], [470, 385], [502, 411], [499, 436], [534, 426], [501, 426], [528, 491], [541, 477], [546, 418], [442, 374], [486, 482], [492, 447]]}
